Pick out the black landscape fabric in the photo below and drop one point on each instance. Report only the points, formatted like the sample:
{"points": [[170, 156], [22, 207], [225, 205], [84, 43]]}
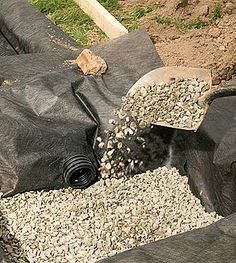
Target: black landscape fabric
{"points": [[51, 114]]}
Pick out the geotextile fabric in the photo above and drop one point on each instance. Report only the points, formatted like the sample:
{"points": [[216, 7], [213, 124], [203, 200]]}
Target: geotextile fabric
{"points": [[50, 111]]}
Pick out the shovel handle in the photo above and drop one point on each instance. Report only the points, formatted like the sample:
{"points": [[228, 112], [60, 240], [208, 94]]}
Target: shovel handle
{"points": [[208, 97]]}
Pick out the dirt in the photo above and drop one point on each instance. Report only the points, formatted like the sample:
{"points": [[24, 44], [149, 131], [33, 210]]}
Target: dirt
{"points": [[94, 37], [199, 48], [212, 46]]}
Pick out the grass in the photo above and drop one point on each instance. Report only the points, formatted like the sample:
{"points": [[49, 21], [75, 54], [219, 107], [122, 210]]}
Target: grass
{"points": [[196, 23], [110, 5], [128, 18], [165, 20], [216, 12], [182, 25], [68, 16], [139, 12]]}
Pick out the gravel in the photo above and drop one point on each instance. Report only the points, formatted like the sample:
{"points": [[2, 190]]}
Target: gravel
{"points": [[111, 216], [174, 103], [120, 211]]}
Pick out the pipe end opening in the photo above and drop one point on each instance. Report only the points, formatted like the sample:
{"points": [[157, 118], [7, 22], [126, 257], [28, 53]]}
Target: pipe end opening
{"points": [[79, 172]]}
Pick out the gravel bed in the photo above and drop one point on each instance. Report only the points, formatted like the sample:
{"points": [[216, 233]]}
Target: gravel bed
{"points": [[109, 217]]}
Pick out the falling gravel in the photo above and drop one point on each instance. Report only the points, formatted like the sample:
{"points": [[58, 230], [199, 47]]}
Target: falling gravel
{"points": [[173, 103], [111, 216]]}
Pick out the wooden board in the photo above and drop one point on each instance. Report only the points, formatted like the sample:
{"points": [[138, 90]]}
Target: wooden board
{"points": [[103, 19]]}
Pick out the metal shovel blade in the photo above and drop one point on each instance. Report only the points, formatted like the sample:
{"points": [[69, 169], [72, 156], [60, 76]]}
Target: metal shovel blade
{"points": [[164, 75]]}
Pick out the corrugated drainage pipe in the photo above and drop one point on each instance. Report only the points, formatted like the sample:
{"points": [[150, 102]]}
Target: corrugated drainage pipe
{"points": [[79, 171]]}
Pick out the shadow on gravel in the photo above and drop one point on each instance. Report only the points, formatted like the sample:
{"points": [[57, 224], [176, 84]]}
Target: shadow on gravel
{"points": [[10, 249]]}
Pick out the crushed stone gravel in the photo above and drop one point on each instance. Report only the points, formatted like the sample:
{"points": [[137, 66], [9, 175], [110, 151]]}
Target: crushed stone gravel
{"points": [[114, 215], [174, 103]]}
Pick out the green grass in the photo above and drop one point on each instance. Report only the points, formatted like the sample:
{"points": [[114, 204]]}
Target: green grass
{"points": [[164, 20], [180, 24], [139, 12], [216, 12], [49, 6], [68, 16], [129, 18], [195, 23], [110, 5]]}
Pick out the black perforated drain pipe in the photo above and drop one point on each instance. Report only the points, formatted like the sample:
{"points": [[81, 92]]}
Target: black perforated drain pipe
{"points": [[79, 171]]}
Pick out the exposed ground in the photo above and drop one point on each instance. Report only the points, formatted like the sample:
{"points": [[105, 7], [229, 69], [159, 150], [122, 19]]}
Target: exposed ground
{"points": [[194, 33], [199, 34]]}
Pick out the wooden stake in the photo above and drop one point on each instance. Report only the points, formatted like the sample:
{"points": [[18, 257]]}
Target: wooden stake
{"points": [[103, 19]]}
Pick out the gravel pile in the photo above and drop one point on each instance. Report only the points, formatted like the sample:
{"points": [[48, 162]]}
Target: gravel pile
{"points": [[174, 103], [111, 216]]}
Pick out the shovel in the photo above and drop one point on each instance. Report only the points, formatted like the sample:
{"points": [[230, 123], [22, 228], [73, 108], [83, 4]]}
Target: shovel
{"points": [[165, 74]]}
